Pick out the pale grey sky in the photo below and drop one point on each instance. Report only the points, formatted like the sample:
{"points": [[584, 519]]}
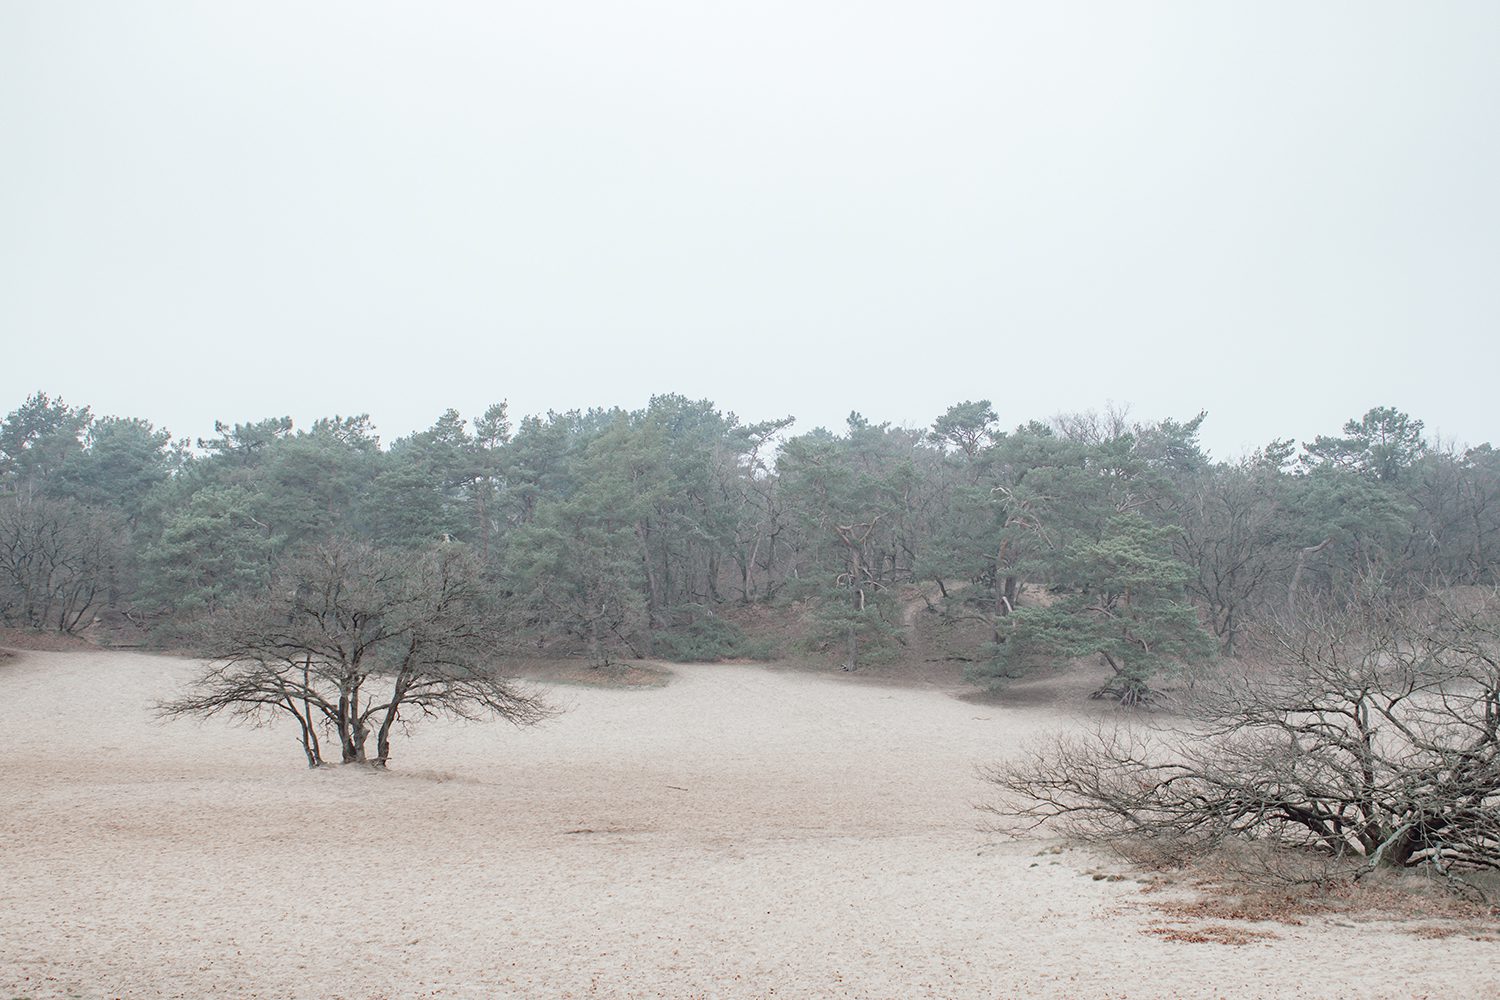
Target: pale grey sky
{"points": [[1283, 213]]}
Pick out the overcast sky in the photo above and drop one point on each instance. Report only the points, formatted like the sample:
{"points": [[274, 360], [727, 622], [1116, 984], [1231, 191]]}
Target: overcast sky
{"points": [[1282, 213]]}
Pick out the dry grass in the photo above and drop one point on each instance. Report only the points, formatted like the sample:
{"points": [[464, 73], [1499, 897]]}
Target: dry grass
{"points": [[616, 676], [1225, 888], [1210, 934], [21, 639], [1217, 901]]}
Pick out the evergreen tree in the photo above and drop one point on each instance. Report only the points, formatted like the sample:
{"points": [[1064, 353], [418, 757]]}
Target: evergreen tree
{"points": [[37, 438], [1121, 597]]}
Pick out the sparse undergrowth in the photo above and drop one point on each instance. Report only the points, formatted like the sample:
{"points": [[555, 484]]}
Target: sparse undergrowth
{"points": [[25, 639], [711, 638], [1230, 889], [582, 674]]}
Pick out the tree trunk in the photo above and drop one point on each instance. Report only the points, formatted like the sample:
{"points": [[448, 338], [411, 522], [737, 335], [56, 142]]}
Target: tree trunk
{"points": [[1395, 851], [309, 740], [653, 587], [398, 695], [309, 726], [1291, 591], [484, 521], [352, 731], [596, 651], [346, 741], [713, 578], [383, 737]]}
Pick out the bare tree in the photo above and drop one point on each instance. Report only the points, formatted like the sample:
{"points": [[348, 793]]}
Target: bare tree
{"points": [[59, 561], [1371, 737], [353, 641]]}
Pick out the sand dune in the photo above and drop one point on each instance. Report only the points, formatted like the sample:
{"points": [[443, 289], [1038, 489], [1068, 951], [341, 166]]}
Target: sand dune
{"points": [[740, 833]]}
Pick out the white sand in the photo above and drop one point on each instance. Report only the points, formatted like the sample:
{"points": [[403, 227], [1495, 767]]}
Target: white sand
{"points": [[825, 845]]}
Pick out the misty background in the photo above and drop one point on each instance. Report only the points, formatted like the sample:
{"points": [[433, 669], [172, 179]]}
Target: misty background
{"points": [[1282, 213]]}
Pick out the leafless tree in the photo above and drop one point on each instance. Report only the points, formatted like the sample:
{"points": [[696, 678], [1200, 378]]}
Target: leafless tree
{"points": [[1367, 733], [58, 561], [353, 641]]}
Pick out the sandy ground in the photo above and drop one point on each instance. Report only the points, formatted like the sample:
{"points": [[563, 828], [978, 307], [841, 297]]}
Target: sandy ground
{"points": [[741, 832]]}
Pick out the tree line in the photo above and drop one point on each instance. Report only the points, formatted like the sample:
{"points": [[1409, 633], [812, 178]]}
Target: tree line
{"points": [[633, 533]]}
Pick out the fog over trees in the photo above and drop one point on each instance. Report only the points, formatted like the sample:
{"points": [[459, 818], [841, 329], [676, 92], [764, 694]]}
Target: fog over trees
{"points": [[618, 534]]}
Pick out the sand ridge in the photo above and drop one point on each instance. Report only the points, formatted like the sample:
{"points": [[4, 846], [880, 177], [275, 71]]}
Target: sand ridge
{"points": [[741, 832]]}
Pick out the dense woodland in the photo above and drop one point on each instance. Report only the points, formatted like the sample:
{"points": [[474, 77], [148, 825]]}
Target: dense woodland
{"points": [[617, 534]]}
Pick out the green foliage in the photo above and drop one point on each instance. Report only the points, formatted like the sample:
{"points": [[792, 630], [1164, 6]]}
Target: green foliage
{"points": [[211, 551], [311, 485], [244, 445], [626, 533], [420, 494], [862, 501], [574, 571], [709, 638], [125, 465], [1366, 520], [1121, 598], [36, 439], [1382, 445], [856, 629], [543, 460], [966, 427]]}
